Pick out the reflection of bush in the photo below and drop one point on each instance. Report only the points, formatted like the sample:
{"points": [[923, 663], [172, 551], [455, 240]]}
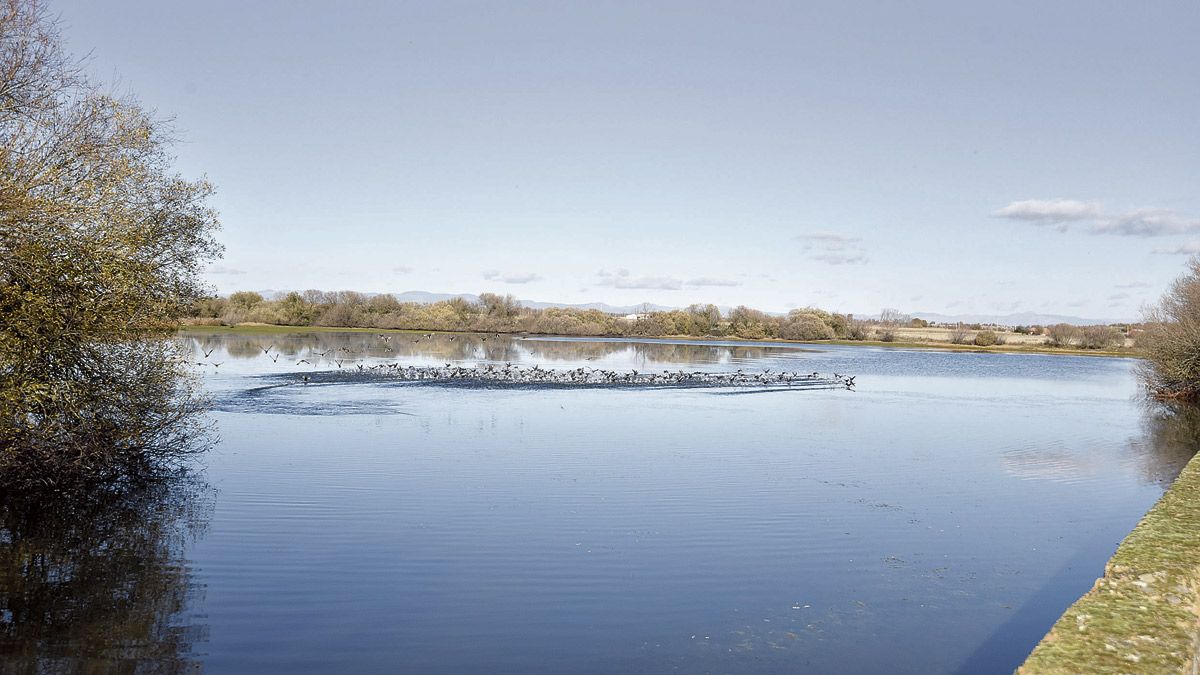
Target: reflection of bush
{"points": [[131, 411], [1172, 438], [101, 586], [353, 346]]}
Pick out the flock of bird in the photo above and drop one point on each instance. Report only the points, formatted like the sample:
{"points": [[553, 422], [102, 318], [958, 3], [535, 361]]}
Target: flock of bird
{"points": [[510, 374]]}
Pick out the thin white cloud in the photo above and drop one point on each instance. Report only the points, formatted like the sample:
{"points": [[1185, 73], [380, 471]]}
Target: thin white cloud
{"points": [[221, 269], [1140, 222], [1133, 285], [1050, 211], [623, 279], [1186, 248], [1147, 222], [710, 281], [517, 278], [832, 248], [857, 258], [402, 269], [828, 240]]}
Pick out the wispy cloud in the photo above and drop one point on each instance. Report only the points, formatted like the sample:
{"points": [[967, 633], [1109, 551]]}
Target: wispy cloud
{"points": [[1133, 285], [623, 279], [517, 278], [710, 281], [857, 258], [1140, 222], [828, 240], [1186, 248], [1148, 222], [1050, 211], [402, 269], [221, 269], [832, 248]]}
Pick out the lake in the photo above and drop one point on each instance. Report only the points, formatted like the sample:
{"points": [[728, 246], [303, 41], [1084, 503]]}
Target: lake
{"points": [[936, 519]]}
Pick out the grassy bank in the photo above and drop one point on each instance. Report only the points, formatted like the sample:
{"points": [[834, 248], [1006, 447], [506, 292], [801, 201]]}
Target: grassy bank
{"points": [[934, 346], [1144, 614]]}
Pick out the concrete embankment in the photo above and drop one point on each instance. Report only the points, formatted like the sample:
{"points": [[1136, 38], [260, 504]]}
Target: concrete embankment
{"points": [[1143, 615]]}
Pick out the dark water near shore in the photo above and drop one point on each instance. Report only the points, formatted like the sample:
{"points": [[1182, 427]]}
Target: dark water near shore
{"points": [[937, 519]]}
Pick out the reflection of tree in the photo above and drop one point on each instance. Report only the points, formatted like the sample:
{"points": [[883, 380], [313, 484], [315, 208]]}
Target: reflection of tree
{"points": [[1172, 437], [350, 346], [101, 586]]}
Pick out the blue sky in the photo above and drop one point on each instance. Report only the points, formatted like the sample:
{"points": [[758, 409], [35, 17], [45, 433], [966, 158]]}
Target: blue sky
{"points": [[930, 156]]}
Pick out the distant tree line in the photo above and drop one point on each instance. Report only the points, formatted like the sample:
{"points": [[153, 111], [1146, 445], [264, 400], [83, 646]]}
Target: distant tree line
{"points": [[503, 313]]}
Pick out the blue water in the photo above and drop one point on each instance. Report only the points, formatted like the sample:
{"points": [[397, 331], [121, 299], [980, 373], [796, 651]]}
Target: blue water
{"points": [[936, 519]]}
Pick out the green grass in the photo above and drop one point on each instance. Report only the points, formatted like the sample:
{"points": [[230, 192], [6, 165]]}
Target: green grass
{"points": [[1143, 615]]}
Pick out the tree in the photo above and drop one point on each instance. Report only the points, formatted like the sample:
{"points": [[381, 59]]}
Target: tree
{"points": [[295, 310], [1171, 341], [245, 300], [986, 338], [805, 325], [1061, 334], [501, 307], [101, 245], [1099, 337], [889, 322], [959, 334]]}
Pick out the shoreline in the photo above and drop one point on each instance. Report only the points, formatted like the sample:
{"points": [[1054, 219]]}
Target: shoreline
{"points": [[910, 345], [1144, 613]]}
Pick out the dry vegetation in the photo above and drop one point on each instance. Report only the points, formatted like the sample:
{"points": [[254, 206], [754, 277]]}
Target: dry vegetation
{"points": [[100, 247], [504, 314], [1171, 342]]}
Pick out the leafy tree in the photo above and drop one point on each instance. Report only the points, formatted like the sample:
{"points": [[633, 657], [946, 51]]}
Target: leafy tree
{"points": [[101, 245], [295, 310], [245, 300], [806, 324]]}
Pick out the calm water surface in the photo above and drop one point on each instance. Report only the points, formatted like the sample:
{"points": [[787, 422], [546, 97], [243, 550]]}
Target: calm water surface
{"points": [[936, 520]]}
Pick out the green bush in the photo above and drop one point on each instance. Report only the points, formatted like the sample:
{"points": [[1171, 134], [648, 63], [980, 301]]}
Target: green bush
{"points": [[985, 338]]}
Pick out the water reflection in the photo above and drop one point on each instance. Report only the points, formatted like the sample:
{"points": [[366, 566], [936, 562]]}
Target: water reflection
{"points": [[1172, 437], [102, 586], [944, 514], [328, 349]]}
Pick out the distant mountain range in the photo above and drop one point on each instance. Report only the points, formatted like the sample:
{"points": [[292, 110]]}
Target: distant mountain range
{"points": [[1016, 319]]}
